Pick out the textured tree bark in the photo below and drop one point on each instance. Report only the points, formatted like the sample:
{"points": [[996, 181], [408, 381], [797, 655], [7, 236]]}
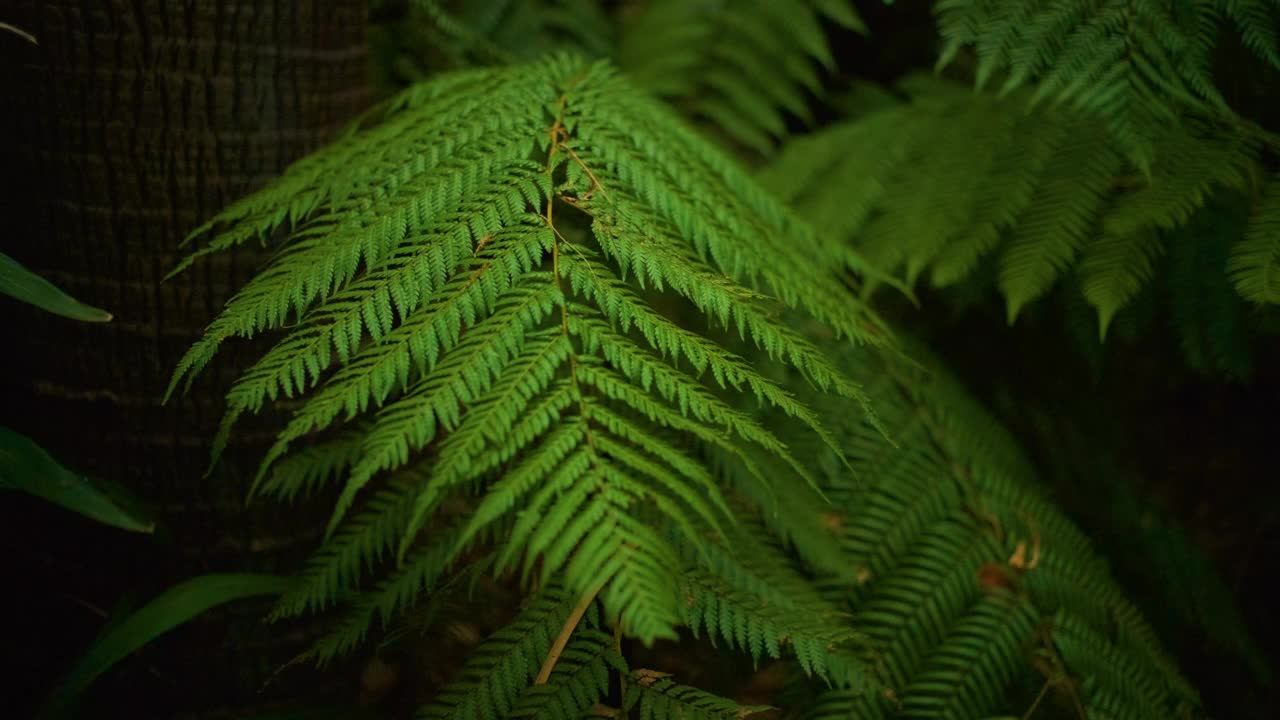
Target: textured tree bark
{"points": [[130, 123]]}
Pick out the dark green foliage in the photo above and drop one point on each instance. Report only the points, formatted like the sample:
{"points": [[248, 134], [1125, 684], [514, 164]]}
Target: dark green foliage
{"points": [[530, 324], [952, 178], [494, 678], [1192, 594], [447, 34], [968, 581], [1138, 65], [742, 66], [657, 697], [1255, 262]]}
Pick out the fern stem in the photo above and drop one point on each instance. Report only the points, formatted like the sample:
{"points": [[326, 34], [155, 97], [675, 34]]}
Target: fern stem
{"points": [[595, 181], [570, 624], [1060, 668], [622, 676], [557, 133]]}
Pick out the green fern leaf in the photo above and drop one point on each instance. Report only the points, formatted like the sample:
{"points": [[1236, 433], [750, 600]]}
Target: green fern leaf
{"points": [[490, 685], [1187, 170], [1059, 220], [964, 573], [980, 655], [742, 67], [952, 177], [824, 648], [580, 678], [657, 697], [1137, 66], [482, 282], [1255, 259]]}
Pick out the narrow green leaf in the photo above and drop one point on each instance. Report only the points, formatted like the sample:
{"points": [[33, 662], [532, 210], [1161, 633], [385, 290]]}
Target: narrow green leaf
{"points": [[170, 609], [26, 466], [19, 282]]}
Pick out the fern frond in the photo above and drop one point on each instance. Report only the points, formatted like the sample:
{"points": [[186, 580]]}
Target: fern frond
{"points": [[953, 177], [1121, 260], [657, 697], [962, 569], [1255, 259], [800, 519], [1110, 678], [369, 539], [465, 34], [488, 282], [742, 66], [1059, 220], [307, 470], [421, 573], [823, 646], [489, 686], [966, 674], [580, 678], [1135, 65]]}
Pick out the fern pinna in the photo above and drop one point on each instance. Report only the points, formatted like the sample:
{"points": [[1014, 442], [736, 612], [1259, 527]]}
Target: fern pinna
{"points": [[478, 294]]}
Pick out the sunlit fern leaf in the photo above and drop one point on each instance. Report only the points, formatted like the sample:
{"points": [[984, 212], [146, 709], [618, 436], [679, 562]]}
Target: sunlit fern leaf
{"points": [[657, 697], [489, 686], [1255, 259], [485, 276], [1134, 64], [742, 66]]}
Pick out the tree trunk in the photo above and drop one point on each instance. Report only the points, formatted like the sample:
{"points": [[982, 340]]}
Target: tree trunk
{"points": [[127, 125]]}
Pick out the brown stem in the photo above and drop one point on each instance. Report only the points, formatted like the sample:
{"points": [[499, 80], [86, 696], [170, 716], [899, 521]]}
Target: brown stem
{"points": [[570, 624]]}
